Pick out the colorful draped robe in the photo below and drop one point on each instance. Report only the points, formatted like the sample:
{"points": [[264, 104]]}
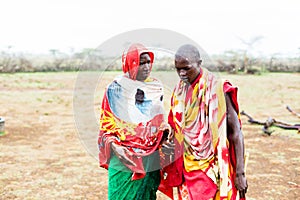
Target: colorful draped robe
{"points": [[204, 161], [136, 126]]}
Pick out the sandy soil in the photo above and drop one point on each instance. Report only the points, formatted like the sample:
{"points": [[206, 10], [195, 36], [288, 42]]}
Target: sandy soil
{"points": [[44, 156]]}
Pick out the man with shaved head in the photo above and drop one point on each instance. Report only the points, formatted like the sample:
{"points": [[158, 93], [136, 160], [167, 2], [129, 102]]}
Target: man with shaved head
{"points": [[207, 141]]}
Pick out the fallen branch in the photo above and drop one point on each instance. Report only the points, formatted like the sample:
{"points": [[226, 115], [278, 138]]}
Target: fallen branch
{"points": [[272, 122], [293, 112]]}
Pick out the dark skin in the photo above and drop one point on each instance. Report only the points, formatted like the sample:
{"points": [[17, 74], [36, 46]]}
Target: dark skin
{"points": [[236, 138], [143, 73], [144, 68], [122, 152], [187, 69], [187, 64]]}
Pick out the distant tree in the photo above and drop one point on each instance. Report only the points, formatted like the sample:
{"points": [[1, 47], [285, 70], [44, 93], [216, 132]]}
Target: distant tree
{"points": [[7, 61], [250, 44], [58, 59], [24, 64]]}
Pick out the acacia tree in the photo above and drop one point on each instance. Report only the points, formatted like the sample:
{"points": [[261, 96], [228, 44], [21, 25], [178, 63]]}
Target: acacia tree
{"points": [[249, 46]]}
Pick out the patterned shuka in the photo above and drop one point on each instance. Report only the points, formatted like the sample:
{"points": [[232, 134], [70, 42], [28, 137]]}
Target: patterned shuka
{"points": [[135, 125], [198, 116]]}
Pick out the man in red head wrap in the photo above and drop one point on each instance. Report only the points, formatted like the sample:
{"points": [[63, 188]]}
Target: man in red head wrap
{"points": [[131, 128]]}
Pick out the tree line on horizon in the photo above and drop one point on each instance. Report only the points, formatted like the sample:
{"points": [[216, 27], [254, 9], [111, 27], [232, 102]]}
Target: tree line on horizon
{"points": [[90, 59]]}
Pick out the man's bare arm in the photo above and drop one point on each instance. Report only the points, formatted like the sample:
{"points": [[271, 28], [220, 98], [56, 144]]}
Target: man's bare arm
{"points": [[235, 137]]}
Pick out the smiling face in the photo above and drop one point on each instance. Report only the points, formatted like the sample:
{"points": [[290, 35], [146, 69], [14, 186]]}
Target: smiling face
{"points": [[144, 67]]}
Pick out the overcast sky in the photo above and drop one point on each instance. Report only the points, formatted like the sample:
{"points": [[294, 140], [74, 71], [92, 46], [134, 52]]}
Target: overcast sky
{"points": [[37, 25]]}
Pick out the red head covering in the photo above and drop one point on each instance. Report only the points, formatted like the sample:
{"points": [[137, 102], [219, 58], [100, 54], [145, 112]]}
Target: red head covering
{"points": [[131, 60]]}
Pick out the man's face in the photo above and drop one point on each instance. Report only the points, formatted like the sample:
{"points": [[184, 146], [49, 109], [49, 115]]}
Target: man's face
{"points": [[144, 68], [187, 70]]}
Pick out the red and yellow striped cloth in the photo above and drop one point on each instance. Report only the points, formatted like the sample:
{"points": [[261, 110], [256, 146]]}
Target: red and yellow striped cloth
{"points": [[203, 156]]}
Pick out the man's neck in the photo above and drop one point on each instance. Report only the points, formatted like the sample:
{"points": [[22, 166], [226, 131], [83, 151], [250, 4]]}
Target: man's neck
{"points": [[197, 78]]}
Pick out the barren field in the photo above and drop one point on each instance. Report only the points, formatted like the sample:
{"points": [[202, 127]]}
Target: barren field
{"points": [[49, 149]]}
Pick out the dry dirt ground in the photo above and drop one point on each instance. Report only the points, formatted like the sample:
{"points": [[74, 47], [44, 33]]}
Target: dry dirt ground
{"points": [[44, 156]]}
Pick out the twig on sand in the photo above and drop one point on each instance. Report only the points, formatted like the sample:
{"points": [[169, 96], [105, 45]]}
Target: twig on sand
{"points": [[272, 122], [293, 112]]}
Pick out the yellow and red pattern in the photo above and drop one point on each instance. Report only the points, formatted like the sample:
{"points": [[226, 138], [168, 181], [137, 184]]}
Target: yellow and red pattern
{"points": [[198, 115], [119, 122]]}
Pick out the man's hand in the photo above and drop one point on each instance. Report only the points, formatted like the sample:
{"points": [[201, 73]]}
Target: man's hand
{"points": [[123, 154], [168, 142], [168, 147], [166, 128], [241, 184]]}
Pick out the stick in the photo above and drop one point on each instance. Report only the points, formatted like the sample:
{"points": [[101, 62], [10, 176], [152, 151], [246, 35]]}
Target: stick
{"points": [[272, 122], [251, 120], [266, 125], [293, 112]]}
